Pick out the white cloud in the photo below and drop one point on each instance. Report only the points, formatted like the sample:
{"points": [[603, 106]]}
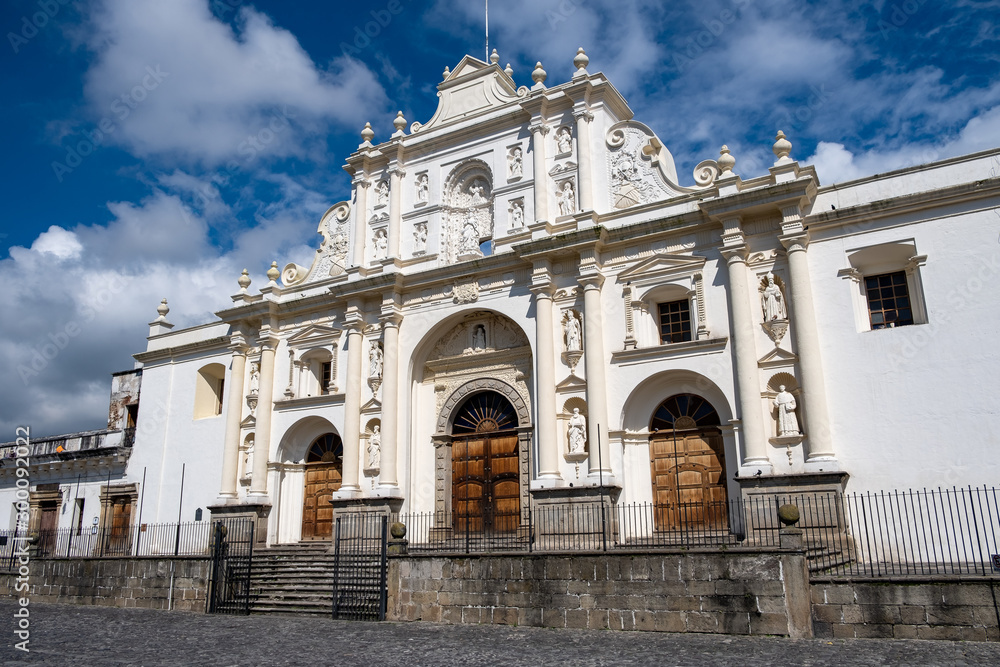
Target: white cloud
{"points": [[59, 242]]}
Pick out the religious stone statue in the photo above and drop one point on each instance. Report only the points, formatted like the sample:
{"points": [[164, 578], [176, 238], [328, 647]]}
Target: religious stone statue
{"points": [[382, 194], [254, 378], [470, 236], [375, 361], [476, 190], [516, 215], [577, 432], [375, 448], [422, 186], [572, 332], [567, 199], [785, 404], [564, 141], [515, 163], [479, 337], [381, 244], [248, 458], [772, 301], [420, 238]]}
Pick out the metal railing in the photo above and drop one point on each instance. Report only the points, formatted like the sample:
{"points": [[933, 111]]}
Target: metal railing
{"points": [[153, 539], [897, 533]]}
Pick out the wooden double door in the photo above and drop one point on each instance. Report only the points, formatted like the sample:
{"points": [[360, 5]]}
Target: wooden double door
{"points": [[486, 485], [322, 479], [689, 479]]}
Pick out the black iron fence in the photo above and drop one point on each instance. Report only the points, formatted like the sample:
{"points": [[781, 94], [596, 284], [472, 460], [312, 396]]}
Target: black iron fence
{"points": [[359, 567], [148, 539], [943, 531]]}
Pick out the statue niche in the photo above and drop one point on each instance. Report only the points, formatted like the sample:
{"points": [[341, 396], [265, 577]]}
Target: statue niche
{"points": [[468, 210]]}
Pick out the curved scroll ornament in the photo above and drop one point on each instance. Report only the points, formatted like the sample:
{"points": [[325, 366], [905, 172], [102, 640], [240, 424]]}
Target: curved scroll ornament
{"points": [[706, 172], [331, 256]]}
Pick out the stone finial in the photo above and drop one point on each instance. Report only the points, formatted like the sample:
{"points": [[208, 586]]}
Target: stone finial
{"points": [[782, 148], [580, 61], [788, 514], [508, 70], [244, 281], [273, 273], [726, 163], [539, 75], [399, 123], [367, 134], [446, 72], [494, 57], [163, 309], [160, 325]]}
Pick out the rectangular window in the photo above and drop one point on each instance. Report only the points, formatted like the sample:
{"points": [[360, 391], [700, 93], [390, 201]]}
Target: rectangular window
{"points": [[78, 522], [888, 300], [325, 375], [675, 321]]}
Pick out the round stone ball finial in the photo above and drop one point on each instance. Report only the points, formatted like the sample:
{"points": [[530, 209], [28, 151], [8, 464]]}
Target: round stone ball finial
{"points": [[367, 134], [494, 57], [539, 75], [397, 530], [273, 273], [782, 147], [399, 123], [508, 70], [446, 72], [581, 60], [244, 280], [726, 162], [163, 308], [788, 515]]}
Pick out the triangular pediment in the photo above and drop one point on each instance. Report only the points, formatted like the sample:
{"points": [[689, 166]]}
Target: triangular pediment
{"points": [[373, 405], [249, 422], [467, 65], [474, 88], [777, 357], [571, 382], [662, 266], [314, 333]]}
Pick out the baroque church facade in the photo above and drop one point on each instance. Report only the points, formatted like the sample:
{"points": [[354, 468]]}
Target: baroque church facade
{"points": [[519, 303]]}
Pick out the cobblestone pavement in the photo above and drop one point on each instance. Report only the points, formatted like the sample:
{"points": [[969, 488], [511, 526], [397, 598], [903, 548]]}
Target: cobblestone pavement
{"points": [[69, 635]]}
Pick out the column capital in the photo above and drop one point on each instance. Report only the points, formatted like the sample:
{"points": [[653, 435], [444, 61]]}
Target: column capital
{"points": [[583, 114], [391, 318], [593, 281], [543, 290], [539, 128], [795, 242], [735, 254], [361, 182], [396, 170], [267, 341]]}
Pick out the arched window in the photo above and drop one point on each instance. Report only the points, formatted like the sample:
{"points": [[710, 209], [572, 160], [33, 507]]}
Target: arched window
{"points": [[683, 411], [208, 391], [327, 448], [484, 412]]}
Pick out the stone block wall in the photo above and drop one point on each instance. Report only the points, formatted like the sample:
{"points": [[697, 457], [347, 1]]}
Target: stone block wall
{"points": [[944, 608], [731, 592], [116, 582]]}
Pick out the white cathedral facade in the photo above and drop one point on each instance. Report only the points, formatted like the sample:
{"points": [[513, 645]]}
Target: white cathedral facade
{"points": [[520, 302]]}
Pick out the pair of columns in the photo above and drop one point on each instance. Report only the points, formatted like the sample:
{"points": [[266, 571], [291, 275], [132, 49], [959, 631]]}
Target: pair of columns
{"points": [[541, 176], [362, 185], [803, 323]]}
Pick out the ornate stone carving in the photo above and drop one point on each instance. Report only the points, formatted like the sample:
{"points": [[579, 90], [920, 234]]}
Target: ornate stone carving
{"points": [[577, 433], [515, 163], [423, 186], [573, 331], [566, 197], [772, 301], [516, 214], [331, 257], [776, 329], [564, 141], [375, 360], [381, 244], [466, 293], [381, 194], [374, 450], [784, 403], [468, 210], [420, 238]]}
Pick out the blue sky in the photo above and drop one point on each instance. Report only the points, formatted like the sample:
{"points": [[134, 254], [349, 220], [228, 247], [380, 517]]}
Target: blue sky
{"points": [[154, 149]]}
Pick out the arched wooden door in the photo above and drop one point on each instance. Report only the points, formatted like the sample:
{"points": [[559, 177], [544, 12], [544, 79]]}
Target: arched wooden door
{"points": [[688, 465], [324, 465], [486, 485]]}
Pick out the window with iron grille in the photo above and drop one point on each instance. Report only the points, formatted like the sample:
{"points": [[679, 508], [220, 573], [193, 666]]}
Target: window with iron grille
{"points": [[675, 321], [888, 300]]}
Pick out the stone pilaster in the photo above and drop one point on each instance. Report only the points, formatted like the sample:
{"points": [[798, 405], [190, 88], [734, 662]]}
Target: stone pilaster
{"points": [[548, 440], [538, 132], [583, 118], [360, 220], [390, 398], [234, 412], [352, 404], [262, 432], [594, 365], [395, 210]]}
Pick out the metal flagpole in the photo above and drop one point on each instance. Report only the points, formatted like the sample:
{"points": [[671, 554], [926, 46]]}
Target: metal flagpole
{"points": [[487, 30]]}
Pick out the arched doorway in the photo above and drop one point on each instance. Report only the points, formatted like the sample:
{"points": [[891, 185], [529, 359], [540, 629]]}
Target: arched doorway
{"points": [[324, 467], [688, 465], [486, 486]]}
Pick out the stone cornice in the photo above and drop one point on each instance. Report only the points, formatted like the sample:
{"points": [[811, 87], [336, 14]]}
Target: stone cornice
{"points": [[220, 343], [752, 201], [668, 351]]}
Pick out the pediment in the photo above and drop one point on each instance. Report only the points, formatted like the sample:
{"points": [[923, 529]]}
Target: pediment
{"points": [[314, 333], [248, 422], [472, 89], [373, 405], [777, 357], [571, 382], [662, 266]]}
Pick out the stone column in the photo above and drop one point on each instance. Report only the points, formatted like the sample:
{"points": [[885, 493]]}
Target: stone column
{"points": [[234, 412], [803, 325], [583, 119], [352, 408], [262, 431], [538, 132], [390, 399], [361, 220], [546, 436], [594, 366], [395, 210], [747, 374]]}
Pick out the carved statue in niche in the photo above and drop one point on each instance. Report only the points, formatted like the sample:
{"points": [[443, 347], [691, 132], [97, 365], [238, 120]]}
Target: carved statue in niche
{"points": [[468, 211], [248, 458], [381, 242], [420, 238], [254, 378], [375, 448], [573, 340], [470, 236], [476, 190], [375, 361], [382, 194], [773, 301], [422, 188], [567, 199], [788, 424], [479, 337], [564, 141], [577, 432], [516, 214], [515, 163]]}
